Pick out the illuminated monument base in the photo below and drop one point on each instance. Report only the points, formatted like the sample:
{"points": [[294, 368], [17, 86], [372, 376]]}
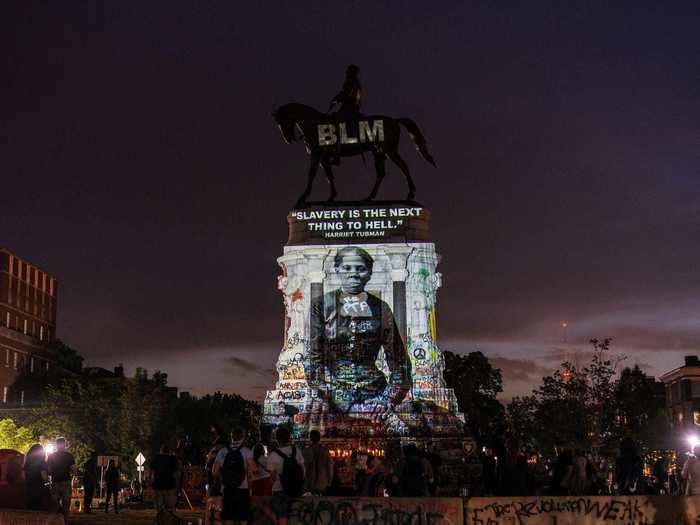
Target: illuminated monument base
{"points": [[360, 360]]}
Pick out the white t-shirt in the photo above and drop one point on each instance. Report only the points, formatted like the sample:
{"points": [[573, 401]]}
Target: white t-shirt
{"points": [[275, 463], [247, 457]]}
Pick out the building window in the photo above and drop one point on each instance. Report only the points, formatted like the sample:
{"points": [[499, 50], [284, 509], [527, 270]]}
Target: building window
{"points": [[25, 327], [47, 366], [7, 357], [41, 332], [4, 394], [31, 365], [16, 359], [21, 397]]}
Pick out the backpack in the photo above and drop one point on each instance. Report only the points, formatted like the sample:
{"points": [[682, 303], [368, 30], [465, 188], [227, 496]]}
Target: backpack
{"points": [[292, 477], [233, 469], [414, 482]]}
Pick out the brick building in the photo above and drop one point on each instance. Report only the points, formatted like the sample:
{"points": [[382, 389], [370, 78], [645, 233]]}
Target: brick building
{"points": [[27, 324], [683, 394]]}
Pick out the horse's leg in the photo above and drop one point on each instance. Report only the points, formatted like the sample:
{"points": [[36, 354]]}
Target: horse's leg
{"points": [[329, 176], [379, 159], [313, 168], [396, 158]]}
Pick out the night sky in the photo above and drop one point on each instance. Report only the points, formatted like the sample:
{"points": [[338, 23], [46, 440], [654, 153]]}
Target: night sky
{"points": [[139, 164]]}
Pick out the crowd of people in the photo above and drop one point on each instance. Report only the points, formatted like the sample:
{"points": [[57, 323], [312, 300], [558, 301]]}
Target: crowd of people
{"points": [[285, 470], [237, 468], [574, 472], [48, 477]]}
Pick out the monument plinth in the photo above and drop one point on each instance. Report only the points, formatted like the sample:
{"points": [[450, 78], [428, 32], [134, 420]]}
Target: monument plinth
{"points": [[360, 359]]}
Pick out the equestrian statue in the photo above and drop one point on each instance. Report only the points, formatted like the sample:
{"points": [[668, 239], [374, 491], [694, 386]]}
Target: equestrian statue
{"points": [[346, 133]]}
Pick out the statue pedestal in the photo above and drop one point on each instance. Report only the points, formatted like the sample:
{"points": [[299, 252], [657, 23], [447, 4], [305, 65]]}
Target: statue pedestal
{"points": [[364, 368], [316, 388]]}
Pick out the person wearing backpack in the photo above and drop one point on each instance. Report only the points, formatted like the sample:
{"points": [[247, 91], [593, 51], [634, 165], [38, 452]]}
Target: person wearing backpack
{"points": [[286, 466], [231, 468]]}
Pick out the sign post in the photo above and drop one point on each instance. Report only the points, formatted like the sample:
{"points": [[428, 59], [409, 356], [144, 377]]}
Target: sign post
{"points": [[140, 460]]}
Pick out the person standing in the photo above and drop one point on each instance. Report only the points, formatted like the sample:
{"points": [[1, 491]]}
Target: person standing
{"points": [[319, 465], [231, 466], [286, 465], [579, 482], [89, 483], [214, 502], [259, 475], [165, 470], [62, 469], [629, 468], [562, 473], [112, 483], [691, 473], [36, 476], [414, 473]]}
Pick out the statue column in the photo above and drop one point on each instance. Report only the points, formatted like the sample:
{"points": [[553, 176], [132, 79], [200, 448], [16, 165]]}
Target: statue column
{"points": [[398, 257], [316, 276]]}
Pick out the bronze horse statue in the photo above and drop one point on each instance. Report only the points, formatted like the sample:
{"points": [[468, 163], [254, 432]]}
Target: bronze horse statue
{"points": [[329, 137]]}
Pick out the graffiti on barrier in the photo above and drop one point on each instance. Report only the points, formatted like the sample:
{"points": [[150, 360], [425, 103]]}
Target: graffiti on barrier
{"points": [[363, 511], [585, 510]]}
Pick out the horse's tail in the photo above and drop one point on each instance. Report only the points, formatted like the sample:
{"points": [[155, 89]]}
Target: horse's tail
{"points": [[417, 138]]}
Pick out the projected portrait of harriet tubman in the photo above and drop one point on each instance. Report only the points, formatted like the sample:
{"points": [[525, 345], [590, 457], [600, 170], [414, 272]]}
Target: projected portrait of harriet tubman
{"points": [[347, 332]]}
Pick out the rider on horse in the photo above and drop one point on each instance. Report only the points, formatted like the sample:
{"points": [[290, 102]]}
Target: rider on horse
{"points": [[350, 97]]}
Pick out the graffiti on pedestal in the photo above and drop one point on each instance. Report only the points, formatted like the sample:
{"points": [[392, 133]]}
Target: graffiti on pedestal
{"points": [[350, 364]]}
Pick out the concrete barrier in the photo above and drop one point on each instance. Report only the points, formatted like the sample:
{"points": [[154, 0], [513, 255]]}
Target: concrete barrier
{"points": [[318, 510], [584, 510], [29, 517]]}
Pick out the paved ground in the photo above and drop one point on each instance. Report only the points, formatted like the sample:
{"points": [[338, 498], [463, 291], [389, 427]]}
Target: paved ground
{"points": [[131, 517]]}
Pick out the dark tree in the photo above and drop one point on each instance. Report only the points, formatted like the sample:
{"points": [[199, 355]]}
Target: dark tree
{"points": [[66, 357], [640, 404], [476, 384], [196, 416]]}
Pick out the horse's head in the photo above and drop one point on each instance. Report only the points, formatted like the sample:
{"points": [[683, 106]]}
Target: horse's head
{"points": [[287, 118], [286, 124]]}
